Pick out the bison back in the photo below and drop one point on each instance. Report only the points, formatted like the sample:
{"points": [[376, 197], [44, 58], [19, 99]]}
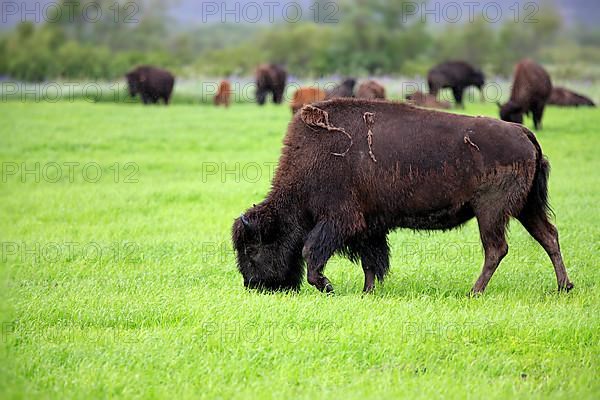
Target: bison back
{"points": [[381, 153], [531, 83]]}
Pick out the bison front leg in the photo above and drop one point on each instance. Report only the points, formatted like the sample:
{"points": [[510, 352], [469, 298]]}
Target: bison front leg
{"points": [[320, 245], [375, 260], [458, 92], [278, 95]]}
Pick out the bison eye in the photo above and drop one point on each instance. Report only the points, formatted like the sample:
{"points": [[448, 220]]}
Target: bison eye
{"points": [[250, 250]]}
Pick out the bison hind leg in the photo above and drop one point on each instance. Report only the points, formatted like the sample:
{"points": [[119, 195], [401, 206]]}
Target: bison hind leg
{"points": [[492, 221], [539, 227]]}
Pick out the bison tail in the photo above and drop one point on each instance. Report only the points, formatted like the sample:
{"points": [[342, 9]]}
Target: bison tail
{"points": [[537, 201]]}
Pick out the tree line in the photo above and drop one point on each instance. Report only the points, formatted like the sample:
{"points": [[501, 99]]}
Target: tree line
{"points": [[371, 37]]}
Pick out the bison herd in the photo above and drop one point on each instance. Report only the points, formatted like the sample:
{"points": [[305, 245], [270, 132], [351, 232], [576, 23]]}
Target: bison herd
{"points": [[531, 89], [354, 167]]}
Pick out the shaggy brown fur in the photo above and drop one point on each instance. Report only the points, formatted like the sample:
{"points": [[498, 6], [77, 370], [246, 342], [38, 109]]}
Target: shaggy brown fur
{"points": [[223, 94], [370, 90], [567, 98], [427, 100], [306, 95], [270, 78], [456, 75], [151, 83], [530, 91], [353, 170]]}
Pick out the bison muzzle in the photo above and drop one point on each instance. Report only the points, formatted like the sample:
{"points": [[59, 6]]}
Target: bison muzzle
{"points": [[353, 170]]}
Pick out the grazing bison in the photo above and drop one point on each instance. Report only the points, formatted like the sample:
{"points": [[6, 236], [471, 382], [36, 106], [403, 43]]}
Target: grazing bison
{"points": [[223, 94], [353, 170], [270, 78], [427, 100], [306, 95], [567, 98], [530, 91], [370, 90], [151, 83], [344, 89], [456, 75]]}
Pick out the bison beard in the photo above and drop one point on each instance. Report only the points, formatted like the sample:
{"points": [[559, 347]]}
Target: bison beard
{"points": [[353, 170]]}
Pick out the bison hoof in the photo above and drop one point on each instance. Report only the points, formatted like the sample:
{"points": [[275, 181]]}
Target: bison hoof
{"points": [[566, 288], [328, 288]]}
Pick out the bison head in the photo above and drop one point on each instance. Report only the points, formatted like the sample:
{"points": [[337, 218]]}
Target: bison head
{"points": [[511, 112], [133, 82], [269, 253], [478, 79]]}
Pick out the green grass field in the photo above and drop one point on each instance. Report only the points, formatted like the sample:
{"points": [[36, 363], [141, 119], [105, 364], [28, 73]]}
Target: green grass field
{"points": [[118, 278]]}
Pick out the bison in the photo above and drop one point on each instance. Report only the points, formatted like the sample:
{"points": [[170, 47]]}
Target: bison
{"points": [[456, 75], [426, 100], [270, 78], [567, 98], [344, 89], [223, 95], [306, 95], [151, 83], [531, 90], [370, 90], [353, 170]]}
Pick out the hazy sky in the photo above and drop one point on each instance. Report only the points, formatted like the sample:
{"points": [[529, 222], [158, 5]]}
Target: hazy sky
{"points": [[194, 12]]}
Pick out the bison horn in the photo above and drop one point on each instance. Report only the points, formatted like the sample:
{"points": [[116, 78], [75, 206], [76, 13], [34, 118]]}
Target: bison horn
{"points": [[498, 104], [245, 221]]}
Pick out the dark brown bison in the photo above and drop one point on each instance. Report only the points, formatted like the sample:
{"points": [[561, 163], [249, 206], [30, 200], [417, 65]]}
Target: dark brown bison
{"points": [[151, 83], [530, 91], [421, 99], [456, 75], [270, 78], [223, 94], [306, 95], [353, 170], [370, 90], [567, 98], [344, 89]]}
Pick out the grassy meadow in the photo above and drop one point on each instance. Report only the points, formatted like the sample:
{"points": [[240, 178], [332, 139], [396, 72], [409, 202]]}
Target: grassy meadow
{"points": [[118, 279]]}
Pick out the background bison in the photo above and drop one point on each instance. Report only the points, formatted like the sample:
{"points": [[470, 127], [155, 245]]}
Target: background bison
{"points": [[151, 83], [427, 100], [223, 95], [353, 170], [306, 95], [370, 90], [456, 75], [567, 98], [530, 91], [344, 89], [270, 78]]}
